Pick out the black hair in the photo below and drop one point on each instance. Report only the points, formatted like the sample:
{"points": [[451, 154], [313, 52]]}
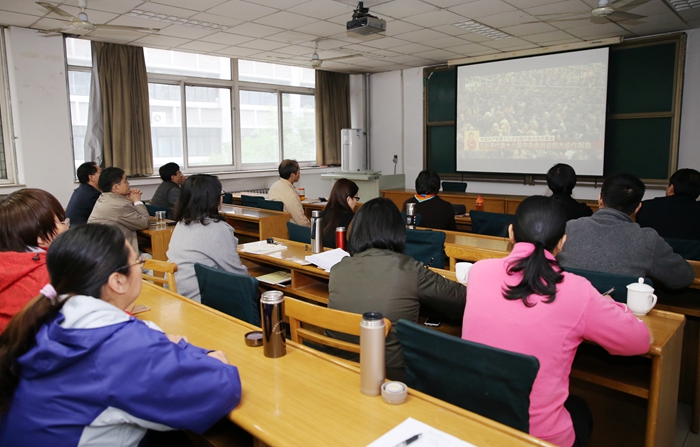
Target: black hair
{"points": [[85, 170], [287, 168], [80, 262], [378, 224], [561, 178], [168, 170], [686, 182], [540, 221], [622, 192], [110, 177], [199, 199], [427, 182]]}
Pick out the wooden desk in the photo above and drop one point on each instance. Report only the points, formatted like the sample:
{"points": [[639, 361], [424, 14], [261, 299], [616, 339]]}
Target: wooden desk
{"points": [[307, 398], [159, 237], [474, 247], [255, 223]]}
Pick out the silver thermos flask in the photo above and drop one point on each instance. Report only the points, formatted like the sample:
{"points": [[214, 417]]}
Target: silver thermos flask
{"points": [[372, 352], [316, 232], [272, 316], [411, 215]]}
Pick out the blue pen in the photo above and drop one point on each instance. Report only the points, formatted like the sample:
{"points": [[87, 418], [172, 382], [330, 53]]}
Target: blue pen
{"points": [[410, 440]]}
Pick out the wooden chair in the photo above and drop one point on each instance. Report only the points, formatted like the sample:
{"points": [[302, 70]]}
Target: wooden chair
{"points": [[273, 205], [488, 381], [232, 294], [426, 246], [492, 224], [168, 269], [454, 186], [300, 312], [253, 201], [298, 233]]}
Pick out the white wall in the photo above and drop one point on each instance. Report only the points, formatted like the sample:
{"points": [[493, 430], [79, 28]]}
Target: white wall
{"points": [[397, 122]]}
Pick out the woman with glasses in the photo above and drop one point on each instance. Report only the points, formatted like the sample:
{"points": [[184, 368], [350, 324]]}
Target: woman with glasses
{"points": [[76, 369], [201, 234], [340, 209], [30, 219]]}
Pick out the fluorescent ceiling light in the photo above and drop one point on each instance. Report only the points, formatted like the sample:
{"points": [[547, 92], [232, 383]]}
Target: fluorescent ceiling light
{"points": [[681, 5], [176, 20], [485, 30]]}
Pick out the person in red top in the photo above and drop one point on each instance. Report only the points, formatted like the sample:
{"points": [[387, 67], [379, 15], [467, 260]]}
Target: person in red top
{"points": [[29, 220]]}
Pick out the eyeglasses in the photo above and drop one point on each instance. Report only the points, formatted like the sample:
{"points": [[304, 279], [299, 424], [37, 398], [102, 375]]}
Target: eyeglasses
{"points": [[357, 198], [223, 193], [141, 262], [66, 222]]}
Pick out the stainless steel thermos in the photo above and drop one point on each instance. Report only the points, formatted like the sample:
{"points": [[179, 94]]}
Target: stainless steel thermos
{"points": [[372, 352], [411, 215], [272, 316], [316, 232]]}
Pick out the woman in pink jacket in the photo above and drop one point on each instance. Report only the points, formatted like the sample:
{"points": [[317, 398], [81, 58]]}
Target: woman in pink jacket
{"points": [[525, 303]]}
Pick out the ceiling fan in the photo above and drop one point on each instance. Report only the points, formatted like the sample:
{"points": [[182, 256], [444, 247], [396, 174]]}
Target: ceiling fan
{"points": [[81, 25], [607, 11], [316, 61]]}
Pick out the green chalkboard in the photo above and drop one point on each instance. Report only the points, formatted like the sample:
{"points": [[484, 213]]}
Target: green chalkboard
{"points": [[642, 110]]}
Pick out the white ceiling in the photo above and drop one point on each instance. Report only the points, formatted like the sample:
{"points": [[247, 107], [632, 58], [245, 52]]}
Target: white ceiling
{"points": [[419, 32]]}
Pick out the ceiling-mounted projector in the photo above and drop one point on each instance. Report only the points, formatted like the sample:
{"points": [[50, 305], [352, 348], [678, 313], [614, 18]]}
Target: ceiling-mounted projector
{"points": [[364, 23]]}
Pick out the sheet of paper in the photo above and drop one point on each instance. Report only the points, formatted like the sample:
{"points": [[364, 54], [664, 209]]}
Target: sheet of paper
{"points": [[430, 436], [328, 259], [262, 247]]}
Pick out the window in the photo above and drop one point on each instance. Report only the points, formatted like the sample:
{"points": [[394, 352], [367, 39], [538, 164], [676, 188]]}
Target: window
{"points": [[211, 113], [6, 158]]}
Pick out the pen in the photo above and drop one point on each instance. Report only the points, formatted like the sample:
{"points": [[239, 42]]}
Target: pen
{"points": [[612, 289], [410, 440]]}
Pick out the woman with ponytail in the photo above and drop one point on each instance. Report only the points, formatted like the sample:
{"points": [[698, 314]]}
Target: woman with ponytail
{"points": [[526, 303], [77, 370]]}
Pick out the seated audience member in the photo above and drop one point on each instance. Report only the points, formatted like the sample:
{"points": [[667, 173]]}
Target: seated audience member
{"points": [[525, 303], [120, 205], [283, 191], [609, 241], [168, 191], [435, 212], [201, 234], [84, 197], [340, 209], [561, 180], [77, 369], [378, 277], [29, 221], [678, 214]]}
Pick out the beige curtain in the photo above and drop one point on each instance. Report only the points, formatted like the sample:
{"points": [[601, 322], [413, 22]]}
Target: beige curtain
{"points": [[127, 125], [332, 114]]}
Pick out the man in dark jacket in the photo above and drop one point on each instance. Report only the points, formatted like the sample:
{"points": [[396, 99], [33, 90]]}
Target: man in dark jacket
{"points": [[169, 191], [84, 197], [678, 214]]}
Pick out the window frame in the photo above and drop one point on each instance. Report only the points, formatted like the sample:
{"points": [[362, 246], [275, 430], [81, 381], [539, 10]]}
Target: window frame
{"points": [[7, 135]]}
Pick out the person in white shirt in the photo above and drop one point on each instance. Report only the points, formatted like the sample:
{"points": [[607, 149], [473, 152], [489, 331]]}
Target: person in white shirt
{"points": [[283, 191]]}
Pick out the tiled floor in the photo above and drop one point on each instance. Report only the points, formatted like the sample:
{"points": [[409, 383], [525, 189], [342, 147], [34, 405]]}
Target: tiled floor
{"points": [[684, 437]]}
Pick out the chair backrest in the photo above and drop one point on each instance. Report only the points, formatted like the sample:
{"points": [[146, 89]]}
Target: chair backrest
{"points": [[689, 249], [488, 381], [168, 270], [492, 224], [228, 198], [454, 186], [322, 317], [232, 294], [426, 246], [298, 233], [271, 205], [459, 209], [251, 200], [605, 281], [169, 214]]}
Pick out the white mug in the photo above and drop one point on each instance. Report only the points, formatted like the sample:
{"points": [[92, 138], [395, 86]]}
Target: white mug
{"points": [[640, 297], [462, 271]]}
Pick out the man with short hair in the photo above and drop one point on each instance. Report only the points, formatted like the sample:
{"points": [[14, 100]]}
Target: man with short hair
{"points": [[84, 196], [435, 212], [283, 191], [678, 214], [609, 241], [561, 180], [120, 205], [169, 191]]}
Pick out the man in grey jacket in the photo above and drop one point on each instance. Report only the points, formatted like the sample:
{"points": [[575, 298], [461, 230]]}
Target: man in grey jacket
{"points": [[610, 241]]}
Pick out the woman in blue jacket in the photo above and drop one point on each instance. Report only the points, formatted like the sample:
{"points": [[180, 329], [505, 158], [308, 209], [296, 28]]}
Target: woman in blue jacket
{"points": [[77, 370]]}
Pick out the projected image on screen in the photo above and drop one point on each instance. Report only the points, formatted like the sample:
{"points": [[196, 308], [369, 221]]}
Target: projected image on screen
{"points": [[525, 115]]}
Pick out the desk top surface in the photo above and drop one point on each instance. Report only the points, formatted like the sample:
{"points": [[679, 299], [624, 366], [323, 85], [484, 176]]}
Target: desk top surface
{"points": [[247, 212], [306, 398]]}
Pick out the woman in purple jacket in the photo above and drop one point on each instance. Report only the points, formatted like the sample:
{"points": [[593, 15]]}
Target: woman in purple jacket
{"points": [[77, 370]]}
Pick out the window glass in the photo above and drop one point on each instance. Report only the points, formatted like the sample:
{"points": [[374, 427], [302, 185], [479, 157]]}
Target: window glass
{"points": [[78, 52], [79, 88], [166, 124], [260, 136], [209, 141], [299, 126], [253, 71], [3, 164], [187, 64]]}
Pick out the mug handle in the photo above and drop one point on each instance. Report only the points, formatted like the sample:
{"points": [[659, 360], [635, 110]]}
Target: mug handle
{"points": [[653, 301]]}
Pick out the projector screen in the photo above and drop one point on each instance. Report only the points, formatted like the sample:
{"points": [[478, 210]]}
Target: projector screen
{"points": [[525, 115]]}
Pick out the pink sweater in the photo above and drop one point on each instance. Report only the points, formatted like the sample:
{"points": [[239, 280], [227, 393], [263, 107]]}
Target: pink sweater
{"points": [[551, 332]]}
